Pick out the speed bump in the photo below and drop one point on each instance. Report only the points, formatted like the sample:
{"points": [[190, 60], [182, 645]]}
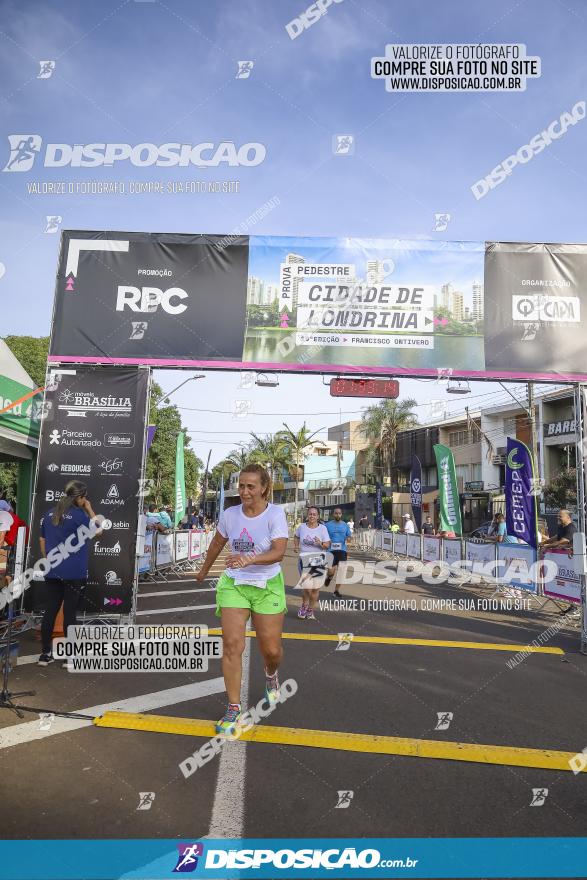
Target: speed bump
{"points": [[426, 643], [544, 759]]}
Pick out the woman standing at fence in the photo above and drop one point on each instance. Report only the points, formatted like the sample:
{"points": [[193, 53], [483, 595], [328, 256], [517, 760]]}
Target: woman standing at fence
{"points": [[252, 584], [66, 581], [310, 540]]}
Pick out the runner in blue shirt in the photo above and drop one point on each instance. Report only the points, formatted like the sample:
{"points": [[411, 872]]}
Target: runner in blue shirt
{"points": [[340, 534]]}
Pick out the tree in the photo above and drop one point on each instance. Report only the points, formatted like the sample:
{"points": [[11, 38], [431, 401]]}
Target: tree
{"points": [[237, 459], [296, 442], [562, 489], [32, 352], [382, 422], [161, 458], [271, 452]]}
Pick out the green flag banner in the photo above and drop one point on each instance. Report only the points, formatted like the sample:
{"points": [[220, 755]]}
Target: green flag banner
{"points": [[448, 494], [180, 498]]}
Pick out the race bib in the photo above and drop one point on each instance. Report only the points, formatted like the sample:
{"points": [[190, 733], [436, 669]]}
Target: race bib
{"points": [[335, 546]]}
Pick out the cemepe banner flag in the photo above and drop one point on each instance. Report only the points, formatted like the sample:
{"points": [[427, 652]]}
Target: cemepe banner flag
{"points": [[323, 305], [416, 491], [448, 494], [520, 503], [93, 431]]}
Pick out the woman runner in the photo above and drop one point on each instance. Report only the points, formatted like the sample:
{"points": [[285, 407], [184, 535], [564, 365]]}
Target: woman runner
{"points": [[252, 584], [310, 539]]}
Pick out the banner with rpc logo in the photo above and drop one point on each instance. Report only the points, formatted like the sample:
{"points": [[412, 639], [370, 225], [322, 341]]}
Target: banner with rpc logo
{"points": [[93, 431]]}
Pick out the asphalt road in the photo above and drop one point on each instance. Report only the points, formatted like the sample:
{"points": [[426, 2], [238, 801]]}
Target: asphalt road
{"points": [[77, 780]]}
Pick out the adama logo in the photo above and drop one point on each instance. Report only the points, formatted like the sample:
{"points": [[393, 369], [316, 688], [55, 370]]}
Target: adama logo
{"points": [[24, 149]]}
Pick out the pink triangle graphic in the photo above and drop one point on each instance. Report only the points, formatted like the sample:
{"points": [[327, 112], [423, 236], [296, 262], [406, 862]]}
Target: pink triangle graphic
{"points": [[244, 536], [70, 282]]}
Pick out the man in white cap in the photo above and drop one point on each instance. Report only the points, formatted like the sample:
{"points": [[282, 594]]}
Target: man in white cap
{"points": [[409, 527]]}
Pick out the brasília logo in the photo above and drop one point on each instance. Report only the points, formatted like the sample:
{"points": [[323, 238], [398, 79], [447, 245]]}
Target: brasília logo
{"points": [[512, 463]]}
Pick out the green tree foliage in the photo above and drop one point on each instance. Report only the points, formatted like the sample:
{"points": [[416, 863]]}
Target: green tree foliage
{"points": [[562, 489], [161, 458], [295, 443], [382, 422], [32, 352]]}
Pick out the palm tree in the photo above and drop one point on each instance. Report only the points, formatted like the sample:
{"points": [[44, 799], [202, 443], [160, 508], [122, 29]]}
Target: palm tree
{"points": [[236, 459], [270, 451], [382, 422], [296, 442]]}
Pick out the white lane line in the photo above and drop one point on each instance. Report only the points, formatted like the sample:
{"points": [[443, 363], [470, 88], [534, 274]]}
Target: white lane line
{"points": [[175, 592], [171, 610], [228, 810], [28, 731]]}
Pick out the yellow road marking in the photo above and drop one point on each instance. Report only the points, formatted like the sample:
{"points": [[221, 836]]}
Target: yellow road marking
{"points": [[544, 759], [428, 643]]}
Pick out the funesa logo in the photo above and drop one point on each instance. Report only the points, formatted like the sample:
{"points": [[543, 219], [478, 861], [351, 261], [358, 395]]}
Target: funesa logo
{"points": [[150, 299], [24, 148]]}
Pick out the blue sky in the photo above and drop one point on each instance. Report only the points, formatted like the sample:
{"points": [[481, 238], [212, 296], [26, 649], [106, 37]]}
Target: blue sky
{"points": [[156, 72]]}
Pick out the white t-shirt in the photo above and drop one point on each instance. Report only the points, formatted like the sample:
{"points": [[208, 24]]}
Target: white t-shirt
{"points": [[409, 527], [251, 535], [307, 537]]}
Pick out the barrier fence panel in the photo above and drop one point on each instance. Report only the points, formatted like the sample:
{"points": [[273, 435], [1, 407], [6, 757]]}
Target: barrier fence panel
{"points": [[414, 546], [518, 566], [567, 582], [452, 550], [147, 557], [195, 545], [164, 550], [430, 548], [401, 544], [387, 541], [479, 554]]}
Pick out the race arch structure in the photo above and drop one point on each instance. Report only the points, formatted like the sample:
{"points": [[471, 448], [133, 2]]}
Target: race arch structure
{"points": [[128, 300], [494, 310]]}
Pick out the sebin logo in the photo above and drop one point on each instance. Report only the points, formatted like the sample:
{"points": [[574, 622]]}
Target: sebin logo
{"points": [[25, 147], [23, 151], [187, 860]]}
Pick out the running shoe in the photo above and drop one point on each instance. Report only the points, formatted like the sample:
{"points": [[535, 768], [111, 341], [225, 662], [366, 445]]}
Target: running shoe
{"points": [[310, 615], [337, 595], [45, 659], [303, 611], [272, 687], [229, 721]]}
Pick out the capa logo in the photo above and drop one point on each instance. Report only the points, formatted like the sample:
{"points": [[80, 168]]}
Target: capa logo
{"points": [[24, 148], [23, 151], [150, 299]]}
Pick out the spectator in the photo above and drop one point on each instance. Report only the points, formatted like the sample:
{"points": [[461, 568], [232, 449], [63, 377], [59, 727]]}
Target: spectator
{"points": [[394, 526], [408, 527], [10, 541], [364, 521], [447, 534], [428, 527], [66, 581], [154, 523], [501, 536], [492, 530], [564, 533], [165, 518]]}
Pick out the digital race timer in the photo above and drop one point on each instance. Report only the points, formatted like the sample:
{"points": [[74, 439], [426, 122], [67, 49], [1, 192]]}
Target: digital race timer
{"points": [[364, 388]]}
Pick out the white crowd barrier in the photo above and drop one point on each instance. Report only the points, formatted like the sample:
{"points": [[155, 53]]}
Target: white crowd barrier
{"points": [[172, 552], [519, 561]]}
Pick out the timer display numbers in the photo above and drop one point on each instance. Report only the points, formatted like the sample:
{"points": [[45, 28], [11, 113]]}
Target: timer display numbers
{"points": [[364, 388]]}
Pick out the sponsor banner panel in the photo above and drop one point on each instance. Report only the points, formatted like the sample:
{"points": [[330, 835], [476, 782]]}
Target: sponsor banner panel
{"points": [[430, 548], [401, 544], [387, 541], [414, 546], [567, 583], [195, 539], [479, 555], [518, 560], [165, 549], [452, 550], [145, 558], [182, 543], [93, 433]]}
